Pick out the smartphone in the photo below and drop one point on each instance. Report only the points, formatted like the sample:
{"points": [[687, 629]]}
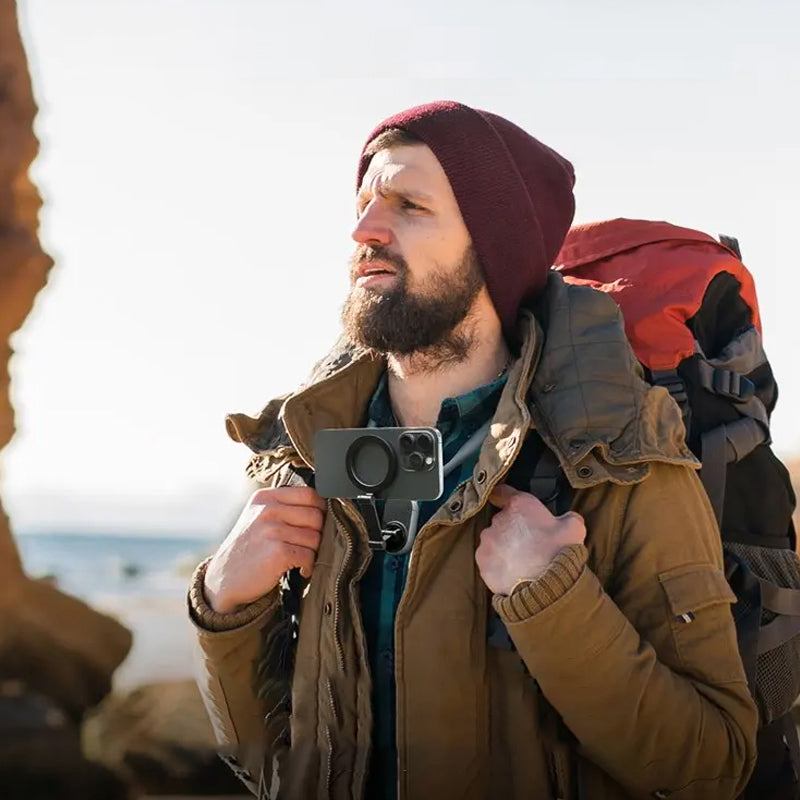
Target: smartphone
{"points": [[384, 463]]}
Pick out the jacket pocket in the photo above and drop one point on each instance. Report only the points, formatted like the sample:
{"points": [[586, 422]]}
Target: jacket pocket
{"points": [[698, 600]]}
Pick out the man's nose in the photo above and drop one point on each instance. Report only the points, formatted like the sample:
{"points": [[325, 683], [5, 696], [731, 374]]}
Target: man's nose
{"points": [[372, 227]]}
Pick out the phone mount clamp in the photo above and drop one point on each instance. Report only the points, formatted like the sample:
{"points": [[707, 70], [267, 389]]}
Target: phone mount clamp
{"points": [[395, 534]]}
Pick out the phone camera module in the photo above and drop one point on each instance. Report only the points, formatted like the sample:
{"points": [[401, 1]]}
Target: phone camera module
{"points": [[416, 451]]}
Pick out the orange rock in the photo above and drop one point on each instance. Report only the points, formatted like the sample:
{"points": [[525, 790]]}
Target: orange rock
{"points": [[56, 644]]}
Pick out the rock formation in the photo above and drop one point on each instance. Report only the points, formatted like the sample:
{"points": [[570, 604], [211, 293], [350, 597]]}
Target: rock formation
{"points": [[58, 655], [56, 645]]}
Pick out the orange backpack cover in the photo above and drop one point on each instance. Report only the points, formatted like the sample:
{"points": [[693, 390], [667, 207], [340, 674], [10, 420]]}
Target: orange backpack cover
{"points": [[666, 270]]}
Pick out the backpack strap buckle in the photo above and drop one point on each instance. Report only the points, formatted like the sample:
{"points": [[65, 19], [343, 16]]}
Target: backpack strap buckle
{"points": [[732, 385], [673, 383]]}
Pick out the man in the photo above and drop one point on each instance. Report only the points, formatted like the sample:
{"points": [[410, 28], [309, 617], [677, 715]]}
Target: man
{"points": [[506, 657]]}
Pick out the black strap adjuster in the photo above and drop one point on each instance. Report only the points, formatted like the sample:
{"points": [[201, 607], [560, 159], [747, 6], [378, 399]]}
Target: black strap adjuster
{"points": [[672, 382], [732, 385]]}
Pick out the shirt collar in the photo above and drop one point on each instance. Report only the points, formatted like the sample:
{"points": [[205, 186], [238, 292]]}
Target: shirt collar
{"points": [[468, 409]]}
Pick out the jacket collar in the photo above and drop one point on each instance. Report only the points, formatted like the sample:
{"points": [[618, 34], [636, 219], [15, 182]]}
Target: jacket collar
{"points": [[579, 385]]}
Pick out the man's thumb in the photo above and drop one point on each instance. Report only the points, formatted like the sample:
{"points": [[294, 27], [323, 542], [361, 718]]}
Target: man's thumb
{"points": [[501, 494]]}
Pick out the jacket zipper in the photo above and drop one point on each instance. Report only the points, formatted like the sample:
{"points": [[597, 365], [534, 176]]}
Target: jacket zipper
{"points": [[328, 761], [351, 511], [338, 583], [329, 736]]}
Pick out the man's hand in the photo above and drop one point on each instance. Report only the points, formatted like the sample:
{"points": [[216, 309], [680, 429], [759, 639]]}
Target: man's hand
{"points": [[278, 529], [522, 539]]}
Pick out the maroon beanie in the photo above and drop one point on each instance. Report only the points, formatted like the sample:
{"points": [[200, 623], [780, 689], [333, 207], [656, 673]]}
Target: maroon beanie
{"points": [[515, 195]]}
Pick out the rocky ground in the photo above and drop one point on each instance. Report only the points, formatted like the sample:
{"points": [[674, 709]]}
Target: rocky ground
{"points": [[158, 739]]}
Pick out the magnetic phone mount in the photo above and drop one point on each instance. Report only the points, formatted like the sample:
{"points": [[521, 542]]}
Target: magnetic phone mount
{"points": [[363, 453], [395, 536]]}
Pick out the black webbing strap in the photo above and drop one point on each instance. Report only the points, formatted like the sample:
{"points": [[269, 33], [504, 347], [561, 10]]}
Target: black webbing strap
{"points": [[742, 437], [777, 632], [724, 445], [779, 599], [713, 446], [545, 480]]}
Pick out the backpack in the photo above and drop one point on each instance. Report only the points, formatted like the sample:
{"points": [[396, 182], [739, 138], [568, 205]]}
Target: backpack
{"points": [[691, 316]]}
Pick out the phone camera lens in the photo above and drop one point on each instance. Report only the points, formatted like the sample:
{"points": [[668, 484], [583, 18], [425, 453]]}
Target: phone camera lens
{"points": [[407, 442], [416, 461], [425, 443]]}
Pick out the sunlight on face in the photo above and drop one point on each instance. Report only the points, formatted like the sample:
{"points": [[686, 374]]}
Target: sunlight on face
{"points": [[407, 209], [415, 276]]}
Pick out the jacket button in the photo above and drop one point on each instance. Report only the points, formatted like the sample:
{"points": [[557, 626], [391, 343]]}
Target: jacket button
{"points": [[481, 476], [585, 472], [455, 506], [327, 608]]}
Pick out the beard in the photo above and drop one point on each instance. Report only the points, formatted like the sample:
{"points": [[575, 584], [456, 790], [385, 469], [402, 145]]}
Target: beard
{"points": [[427, 323]]}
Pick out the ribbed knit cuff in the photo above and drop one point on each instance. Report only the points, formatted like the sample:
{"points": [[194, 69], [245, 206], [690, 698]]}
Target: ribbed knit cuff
{"points": [[206, 618], [534, 596]]}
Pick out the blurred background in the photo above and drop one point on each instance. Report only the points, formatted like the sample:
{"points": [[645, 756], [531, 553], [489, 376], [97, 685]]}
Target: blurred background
{"points": [[197, 166]]}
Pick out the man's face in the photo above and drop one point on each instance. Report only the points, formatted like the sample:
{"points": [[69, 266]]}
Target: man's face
{"points": [[414, 275]]}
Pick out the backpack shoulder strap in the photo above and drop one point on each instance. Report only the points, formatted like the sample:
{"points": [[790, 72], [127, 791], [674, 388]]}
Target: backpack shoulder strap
{"points": [[537, 471]]}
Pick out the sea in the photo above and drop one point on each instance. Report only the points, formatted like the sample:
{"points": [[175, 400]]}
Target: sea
{"points": [[141, 580]]}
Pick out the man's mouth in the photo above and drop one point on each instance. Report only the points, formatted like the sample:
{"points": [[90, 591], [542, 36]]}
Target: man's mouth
{"points": [[373, 273], [374, 268]]}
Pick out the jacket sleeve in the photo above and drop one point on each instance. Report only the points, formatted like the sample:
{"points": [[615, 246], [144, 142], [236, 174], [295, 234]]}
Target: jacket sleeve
{"points": [[648, 676], [227, 652]]}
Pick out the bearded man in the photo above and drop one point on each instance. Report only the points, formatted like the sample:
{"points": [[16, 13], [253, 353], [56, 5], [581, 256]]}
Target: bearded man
{"points": [[511, 654]]}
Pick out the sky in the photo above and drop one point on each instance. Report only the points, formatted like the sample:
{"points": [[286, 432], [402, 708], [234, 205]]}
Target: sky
{"points": [[198, 169]]}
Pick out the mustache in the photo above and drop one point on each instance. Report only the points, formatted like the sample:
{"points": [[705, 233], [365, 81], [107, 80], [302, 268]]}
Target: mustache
{"points": [[366, 253]]}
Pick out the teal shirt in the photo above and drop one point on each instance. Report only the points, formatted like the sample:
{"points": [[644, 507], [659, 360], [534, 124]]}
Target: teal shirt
{"points": [[383, 584]]}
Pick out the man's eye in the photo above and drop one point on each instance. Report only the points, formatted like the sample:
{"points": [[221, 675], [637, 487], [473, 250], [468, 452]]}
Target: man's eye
{"points": [[407, 204]]}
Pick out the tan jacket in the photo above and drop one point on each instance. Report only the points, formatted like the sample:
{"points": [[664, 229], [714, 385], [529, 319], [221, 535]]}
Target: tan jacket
{"points": [[628, 699]]}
